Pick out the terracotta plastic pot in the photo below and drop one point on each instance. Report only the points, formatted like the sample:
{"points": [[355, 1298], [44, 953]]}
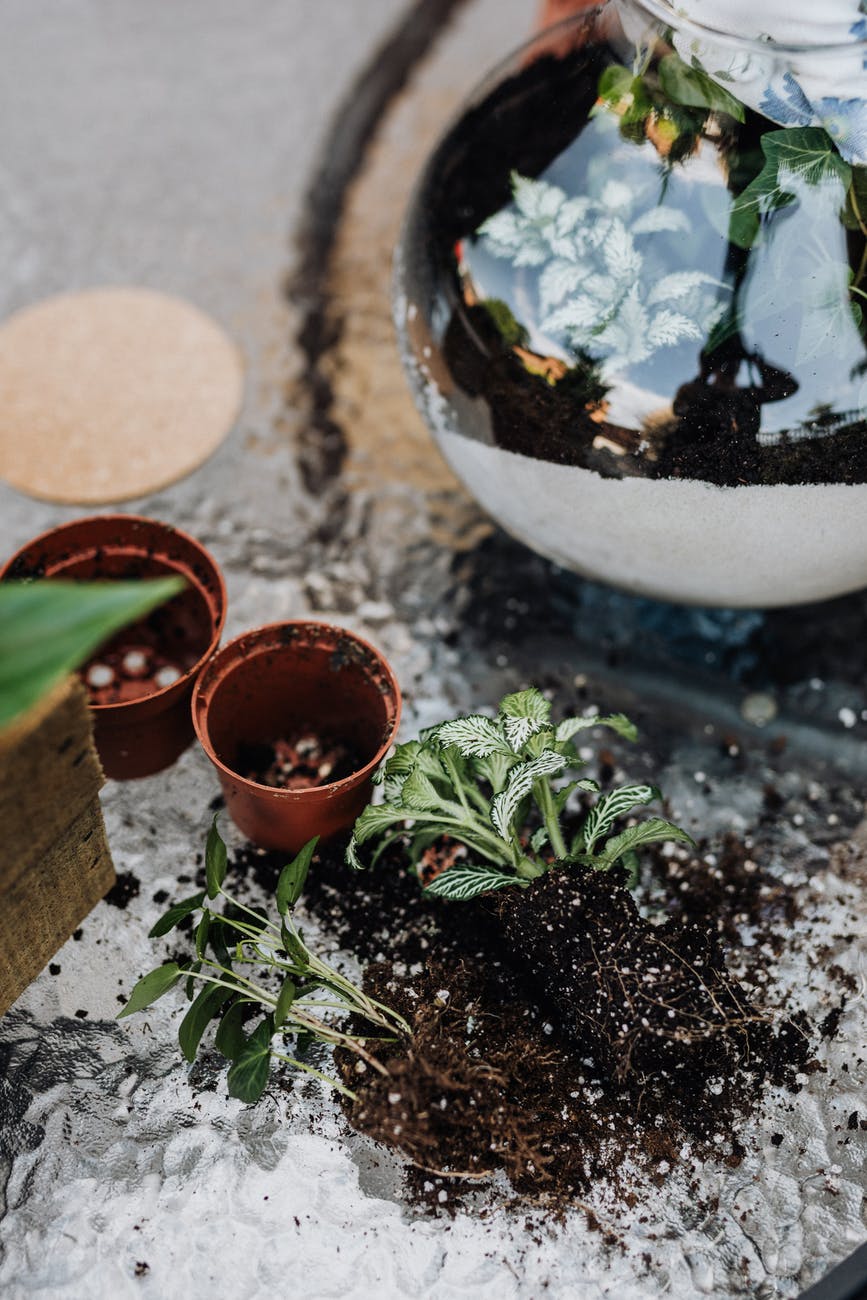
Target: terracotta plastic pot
{"points": [[140, 682], [287, 680]]}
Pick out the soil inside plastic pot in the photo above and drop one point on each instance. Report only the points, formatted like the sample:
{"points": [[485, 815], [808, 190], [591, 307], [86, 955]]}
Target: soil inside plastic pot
{"points": [[151, 654], [303, 760], [542, 1040]]}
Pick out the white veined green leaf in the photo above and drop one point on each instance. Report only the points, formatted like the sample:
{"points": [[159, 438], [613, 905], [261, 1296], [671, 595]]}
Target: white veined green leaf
{"points": [[419, 792], [519, 783], [654, 831], [464, 881], [495, 768], [536, 199], [580, 313], [621, 256], [475, 736], [559, 278], [671, 288], [530, 703], [611, 806], [669, 327], [616, 194], [656, 220], [539, 839], [616, 721], [524, 713], [376, 818], [561, 798]]}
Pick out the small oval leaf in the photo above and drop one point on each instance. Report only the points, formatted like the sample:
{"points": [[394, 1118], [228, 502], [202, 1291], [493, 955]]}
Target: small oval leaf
{"points": [[215, 860], [293, 877], [152, 986], [248, 1076], [175, 914], [202, 1011]]}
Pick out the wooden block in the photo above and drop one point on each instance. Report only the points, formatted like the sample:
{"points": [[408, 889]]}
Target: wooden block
{"points": [[41, 906], [49, 774]]}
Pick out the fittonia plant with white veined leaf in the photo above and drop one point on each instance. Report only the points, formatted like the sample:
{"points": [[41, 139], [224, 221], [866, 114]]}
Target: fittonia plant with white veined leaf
{"points": [[484, 782], [599, 283]]}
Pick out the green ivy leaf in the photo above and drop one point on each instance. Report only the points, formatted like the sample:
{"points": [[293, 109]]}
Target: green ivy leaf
{"points": [[152, 986], [49, 628], [216, 859], [805, 152], [248, 1076], [293, 877], [204, 1008], [176, 914], [694, 88]]}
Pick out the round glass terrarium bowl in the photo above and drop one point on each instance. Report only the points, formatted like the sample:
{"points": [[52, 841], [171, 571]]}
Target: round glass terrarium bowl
{"points": [[629, 293]]}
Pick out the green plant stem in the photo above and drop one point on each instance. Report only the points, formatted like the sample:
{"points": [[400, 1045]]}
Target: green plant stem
{"points": [[241, 980], [263, 921], [317, 1074], [545, 801], [451, 766]]}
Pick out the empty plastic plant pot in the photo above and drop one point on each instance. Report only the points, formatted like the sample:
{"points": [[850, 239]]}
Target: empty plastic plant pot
{"points": [[140, 682], [296, 717]]}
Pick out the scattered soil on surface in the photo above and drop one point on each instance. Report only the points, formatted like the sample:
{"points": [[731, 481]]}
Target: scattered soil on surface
{"points": [[560, 1054], [124, 890], [302, 762]]}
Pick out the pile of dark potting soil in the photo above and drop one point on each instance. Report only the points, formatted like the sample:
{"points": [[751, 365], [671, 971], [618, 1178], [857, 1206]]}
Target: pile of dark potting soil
{"points": [[557, 1049]]}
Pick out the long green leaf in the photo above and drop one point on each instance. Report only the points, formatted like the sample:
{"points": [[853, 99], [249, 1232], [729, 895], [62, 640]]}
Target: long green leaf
{"points": [[287, 995], [204, 1008], [230, 1037], [49, 627], [248, 1076], [175, 914], [216, 859], [293, 877], [152, 986]]}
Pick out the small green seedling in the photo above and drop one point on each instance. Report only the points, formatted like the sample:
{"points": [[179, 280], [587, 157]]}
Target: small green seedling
{"points": [[259, 982], [483, 781]]}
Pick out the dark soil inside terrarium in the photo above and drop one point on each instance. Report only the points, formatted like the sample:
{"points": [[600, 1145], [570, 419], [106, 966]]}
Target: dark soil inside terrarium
{"points": [[557, 1035], [302, 761], [534, 405]]}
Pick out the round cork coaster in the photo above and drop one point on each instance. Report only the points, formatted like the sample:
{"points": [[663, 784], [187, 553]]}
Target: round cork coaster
{"points": [[112, 394]]}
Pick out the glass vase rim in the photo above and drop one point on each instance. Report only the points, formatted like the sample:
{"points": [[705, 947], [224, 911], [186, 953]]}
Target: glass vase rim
{"points": [[665, 11]]}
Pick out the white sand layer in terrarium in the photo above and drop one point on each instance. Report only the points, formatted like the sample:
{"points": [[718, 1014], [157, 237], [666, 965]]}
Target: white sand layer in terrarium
{"points": [[673, 538]]}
